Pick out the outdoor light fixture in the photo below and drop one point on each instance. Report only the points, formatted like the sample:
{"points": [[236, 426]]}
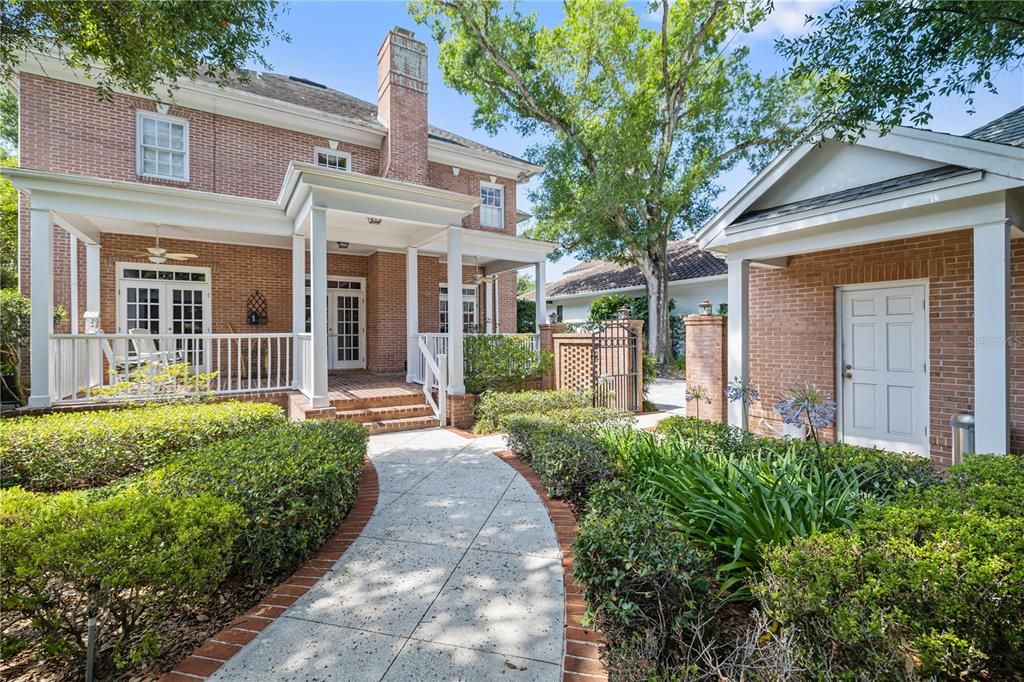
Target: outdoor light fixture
{"points": [[623, 313], [342, 245], [552, 318], [373, 221], [704, 307]]}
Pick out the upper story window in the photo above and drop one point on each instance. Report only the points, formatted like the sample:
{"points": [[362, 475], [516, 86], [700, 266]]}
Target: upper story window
{"points": [[492, 205], [332, 158], [162, 143]]}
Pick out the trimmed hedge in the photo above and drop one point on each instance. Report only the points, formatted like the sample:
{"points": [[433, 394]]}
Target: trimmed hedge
{"points": [[564, 448], [72, 450], [135, 555], [294, 483], [930, 585], [495, 409]]}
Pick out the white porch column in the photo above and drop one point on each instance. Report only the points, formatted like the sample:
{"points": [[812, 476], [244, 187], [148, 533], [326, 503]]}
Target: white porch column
{"points": [[41, 320], [489, 305], [541, 303], [738, 333], [73, 281], [318, 305], [991, 337], [456, 378], [412, 312], [298, 305], [92, 279]]}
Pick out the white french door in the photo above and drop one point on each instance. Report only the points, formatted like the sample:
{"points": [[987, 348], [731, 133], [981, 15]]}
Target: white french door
{"points": [[884, 367], [165, 300], [346, 322]]}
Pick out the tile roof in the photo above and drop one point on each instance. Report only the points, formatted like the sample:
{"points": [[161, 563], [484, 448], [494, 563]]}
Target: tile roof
{"points": [[875, 188], [1007, 129], [685, 261], [307, 93]]}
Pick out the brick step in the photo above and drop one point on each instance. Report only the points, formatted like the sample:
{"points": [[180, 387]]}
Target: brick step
{"points": [[403, 424], [373, 414], [379, 401]]}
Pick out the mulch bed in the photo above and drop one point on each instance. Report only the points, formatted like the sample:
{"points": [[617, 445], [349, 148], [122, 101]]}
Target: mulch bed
{"points": [[203, 635]]}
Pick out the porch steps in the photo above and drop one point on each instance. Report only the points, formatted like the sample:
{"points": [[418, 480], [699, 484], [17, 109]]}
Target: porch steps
{"points": [[374, 414], [403, 424], [387, 413]]}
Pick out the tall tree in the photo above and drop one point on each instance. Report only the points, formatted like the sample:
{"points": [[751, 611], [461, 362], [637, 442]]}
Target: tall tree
{"points": [[890, 58], [139, 44], [640, 119]]}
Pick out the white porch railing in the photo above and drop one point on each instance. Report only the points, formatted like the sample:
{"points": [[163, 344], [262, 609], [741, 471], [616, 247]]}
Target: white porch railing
{"points": [[437, 344], [88, 367], [435, 374]]}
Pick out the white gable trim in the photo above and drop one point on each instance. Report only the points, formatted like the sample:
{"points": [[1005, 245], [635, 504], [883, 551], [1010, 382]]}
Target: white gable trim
{"points": [[998, 159]]}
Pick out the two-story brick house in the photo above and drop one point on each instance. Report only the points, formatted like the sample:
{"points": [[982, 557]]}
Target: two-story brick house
{"points": [[278, 192]]}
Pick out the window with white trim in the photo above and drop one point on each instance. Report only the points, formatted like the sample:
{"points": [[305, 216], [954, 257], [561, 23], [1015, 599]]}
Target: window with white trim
{"points": [[469, 310], [492, 205], [162, 146], [332, 158]]}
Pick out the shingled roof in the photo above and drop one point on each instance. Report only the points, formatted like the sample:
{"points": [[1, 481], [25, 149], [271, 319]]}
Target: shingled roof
{"points": [[313, 95], [685, 261], [1007, 129]]}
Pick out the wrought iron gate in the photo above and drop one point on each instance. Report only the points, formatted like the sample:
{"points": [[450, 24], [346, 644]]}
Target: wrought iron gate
{"points": [[614, 366]]}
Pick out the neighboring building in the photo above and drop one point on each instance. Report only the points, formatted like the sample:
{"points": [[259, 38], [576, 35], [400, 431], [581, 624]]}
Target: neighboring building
{"points": [[273, 193], [694, 275], [891, 274]]}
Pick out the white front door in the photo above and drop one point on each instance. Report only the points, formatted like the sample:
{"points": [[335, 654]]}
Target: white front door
{"points": [[884, 367], [346, 329]]}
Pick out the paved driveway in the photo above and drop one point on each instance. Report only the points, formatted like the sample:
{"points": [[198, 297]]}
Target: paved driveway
{"points": [[457, 576]]}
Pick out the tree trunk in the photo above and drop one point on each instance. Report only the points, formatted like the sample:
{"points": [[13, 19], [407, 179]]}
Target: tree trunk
{"points": [[656, 275]]}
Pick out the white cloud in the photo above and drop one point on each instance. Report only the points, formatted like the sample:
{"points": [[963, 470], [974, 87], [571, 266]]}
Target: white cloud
{"points": [[788, 17]]}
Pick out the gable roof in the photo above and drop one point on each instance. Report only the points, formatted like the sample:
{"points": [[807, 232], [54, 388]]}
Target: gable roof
{"points": [[313, 95], [860, 192], [685, 261], [1007, 129]]}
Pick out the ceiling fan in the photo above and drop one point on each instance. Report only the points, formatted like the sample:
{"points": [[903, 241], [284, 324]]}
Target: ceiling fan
{"points": [[158, 254], [479, 277]]}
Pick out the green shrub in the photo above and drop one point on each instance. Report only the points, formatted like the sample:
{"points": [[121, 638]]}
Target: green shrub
{"points": [[498, 362], [647, 590], [294, 483], [494, 408], [62, 451], [918, 585], [563, 448], [134, 555]]}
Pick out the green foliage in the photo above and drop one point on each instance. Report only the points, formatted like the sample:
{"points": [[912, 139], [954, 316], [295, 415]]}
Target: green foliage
{"points": [[8, 219], [494, 409], [931, 585], [885, 60], [15, 313], [526, 316], [61, 451], [294, 483], [143, 45], [641, 118], [647, 590], [8, 120], [563, 448], [134, 557], [524, 284], [607, 307], [498, 362], [161, 381], [650, 373]]}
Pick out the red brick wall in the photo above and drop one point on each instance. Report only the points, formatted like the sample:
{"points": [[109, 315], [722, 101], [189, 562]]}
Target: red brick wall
{"points": [[468, 182], [792, 323], [706, 344]]}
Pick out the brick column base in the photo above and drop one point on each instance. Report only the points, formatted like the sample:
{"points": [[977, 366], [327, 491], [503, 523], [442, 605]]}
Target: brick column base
{"points": [[462, 411], [707, 364]]}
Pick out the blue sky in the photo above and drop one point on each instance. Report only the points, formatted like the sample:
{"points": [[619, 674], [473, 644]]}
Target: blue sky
{"points": [[336, 43]]}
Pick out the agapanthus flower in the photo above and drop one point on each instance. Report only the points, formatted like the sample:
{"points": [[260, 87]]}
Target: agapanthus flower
{"points": [[806, 401], [697, 392], [746, 391]]}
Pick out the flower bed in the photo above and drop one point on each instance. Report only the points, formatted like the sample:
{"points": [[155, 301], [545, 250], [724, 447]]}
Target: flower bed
{"points": [[211, 523]]}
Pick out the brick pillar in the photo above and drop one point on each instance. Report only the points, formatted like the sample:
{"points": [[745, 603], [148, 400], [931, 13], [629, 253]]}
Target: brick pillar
{"points": [[638, 327], [706, 363], [547, 343]]}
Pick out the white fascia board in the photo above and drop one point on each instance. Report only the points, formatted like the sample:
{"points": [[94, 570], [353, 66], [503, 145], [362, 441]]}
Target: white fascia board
{"points": [[942, 190], [451, 154], [1000, 159], [639, 287], [211, 98], [497, 245], [145, 202], [920, 221]]}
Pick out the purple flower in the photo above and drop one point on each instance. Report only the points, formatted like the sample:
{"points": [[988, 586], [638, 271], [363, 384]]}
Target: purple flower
{"points": [[806, 401], [741, 390], [697, 392]]}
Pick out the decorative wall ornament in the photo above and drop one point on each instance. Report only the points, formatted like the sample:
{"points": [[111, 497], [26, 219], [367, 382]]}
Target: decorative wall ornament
{"points": [[257, 308]]}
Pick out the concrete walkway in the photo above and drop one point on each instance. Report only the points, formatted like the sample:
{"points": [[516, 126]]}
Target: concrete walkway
{"points": [[457, 576]]}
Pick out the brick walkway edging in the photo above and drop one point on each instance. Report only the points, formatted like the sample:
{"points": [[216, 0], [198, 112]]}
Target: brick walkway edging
{"points": [[582, 661], [212, 654]]}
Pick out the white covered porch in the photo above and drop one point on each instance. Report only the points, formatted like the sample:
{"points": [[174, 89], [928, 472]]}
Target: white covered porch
{"points": [[316, 212]]}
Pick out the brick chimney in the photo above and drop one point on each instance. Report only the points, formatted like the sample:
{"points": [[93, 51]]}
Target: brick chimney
{"points": [[402, 106]]}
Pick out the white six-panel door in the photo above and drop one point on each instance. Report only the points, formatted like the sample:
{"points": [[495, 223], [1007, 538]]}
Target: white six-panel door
{"points": [[883, 350]]}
